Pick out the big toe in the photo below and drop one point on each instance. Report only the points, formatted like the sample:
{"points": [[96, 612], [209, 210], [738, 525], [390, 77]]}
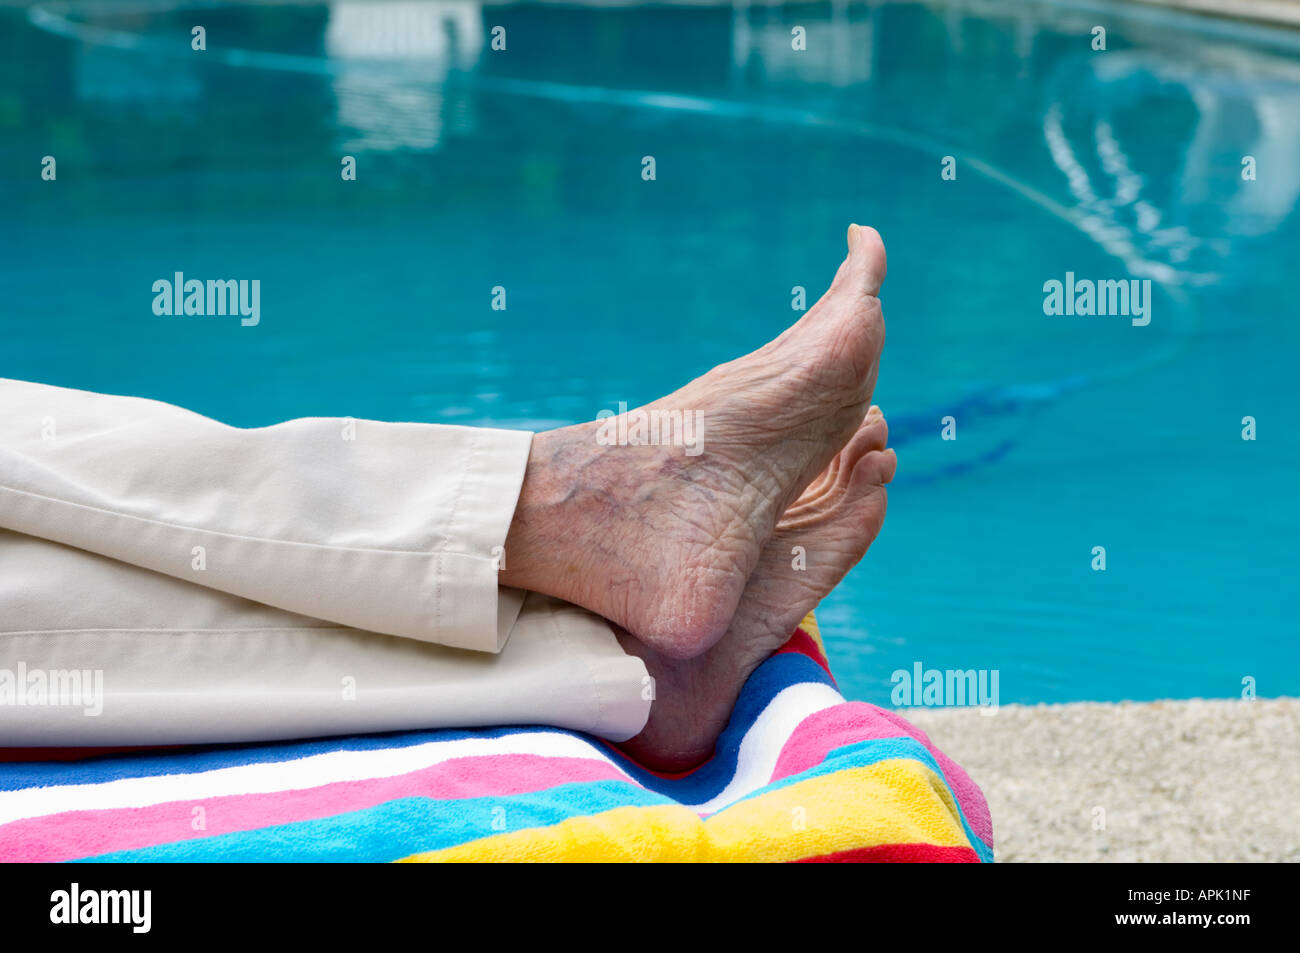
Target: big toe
{"points": [[866, 264], [862, 272], [847, 325]]}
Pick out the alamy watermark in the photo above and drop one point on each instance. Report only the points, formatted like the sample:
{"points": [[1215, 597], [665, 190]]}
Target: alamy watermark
{"points": [[1127, 297], [934, 688], [651, 428], [25, 687], [75, 905], [216, 296]]}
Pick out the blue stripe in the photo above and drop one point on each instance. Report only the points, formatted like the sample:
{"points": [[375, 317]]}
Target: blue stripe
{"points": [[115, 767], [706, 782]]}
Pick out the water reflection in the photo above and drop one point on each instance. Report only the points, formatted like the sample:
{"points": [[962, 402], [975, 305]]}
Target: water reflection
{"points": [[407, 109], [762, 44]]}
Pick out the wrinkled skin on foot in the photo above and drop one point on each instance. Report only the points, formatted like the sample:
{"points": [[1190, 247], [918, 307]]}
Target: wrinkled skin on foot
{"points": [[662, 543], [834, 521]]}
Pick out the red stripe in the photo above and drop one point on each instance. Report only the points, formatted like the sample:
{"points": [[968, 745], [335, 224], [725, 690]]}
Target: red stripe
{"points": [[801, 643], [75, 754], [897, 854]]}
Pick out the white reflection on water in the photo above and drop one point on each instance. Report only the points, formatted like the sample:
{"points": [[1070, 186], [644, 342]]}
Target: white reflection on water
{"points": [[1179, 229], [411, 109]]}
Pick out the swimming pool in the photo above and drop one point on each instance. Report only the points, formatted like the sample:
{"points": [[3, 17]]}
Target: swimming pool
{"points": [[522, 169]]}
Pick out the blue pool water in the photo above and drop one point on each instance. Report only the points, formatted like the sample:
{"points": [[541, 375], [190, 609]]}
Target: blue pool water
{"points": [[522, 168]]}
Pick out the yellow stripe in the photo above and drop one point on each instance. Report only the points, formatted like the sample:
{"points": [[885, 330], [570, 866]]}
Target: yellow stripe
{"points": [[896, 801], [666, 832]]}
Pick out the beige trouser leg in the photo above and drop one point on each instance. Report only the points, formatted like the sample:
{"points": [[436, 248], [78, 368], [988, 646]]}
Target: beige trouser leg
{"points": [[349, 529], [393, 528]]}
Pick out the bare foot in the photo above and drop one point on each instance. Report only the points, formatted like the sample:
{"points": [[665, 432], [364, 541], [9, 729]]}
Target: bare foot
{"points": [[835, 520], [662, 542]]}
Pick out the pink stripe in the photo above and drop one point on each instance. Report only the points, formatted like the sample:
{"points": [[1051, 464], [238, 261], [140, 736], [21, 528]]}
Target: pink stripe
{"points": [[74, 834], [820, 733]]}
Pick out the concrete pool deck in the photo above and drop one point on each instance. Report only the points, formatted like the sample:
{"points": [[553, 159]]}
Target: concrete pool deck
{"points": [[1277, 12], [1160, 781]]}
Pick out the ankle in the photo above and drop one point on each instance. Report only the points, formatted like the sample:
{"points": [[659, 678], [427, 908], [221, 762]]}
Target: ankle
{"points": [[540, 543]]}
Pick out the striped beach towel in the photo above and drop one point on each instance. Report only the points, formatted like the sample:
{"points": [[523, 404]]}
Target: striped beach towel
{"points": [[799, 775]]}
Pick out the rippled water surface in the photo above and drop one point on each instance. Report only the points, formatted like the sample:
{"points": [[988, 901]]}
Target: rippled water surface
{"points": [[522, 168]]}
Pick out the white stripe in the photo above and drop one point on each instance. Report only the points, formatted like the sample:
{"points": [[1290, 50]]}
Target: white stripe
{"points": [[273, 777], [762, 744]]}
